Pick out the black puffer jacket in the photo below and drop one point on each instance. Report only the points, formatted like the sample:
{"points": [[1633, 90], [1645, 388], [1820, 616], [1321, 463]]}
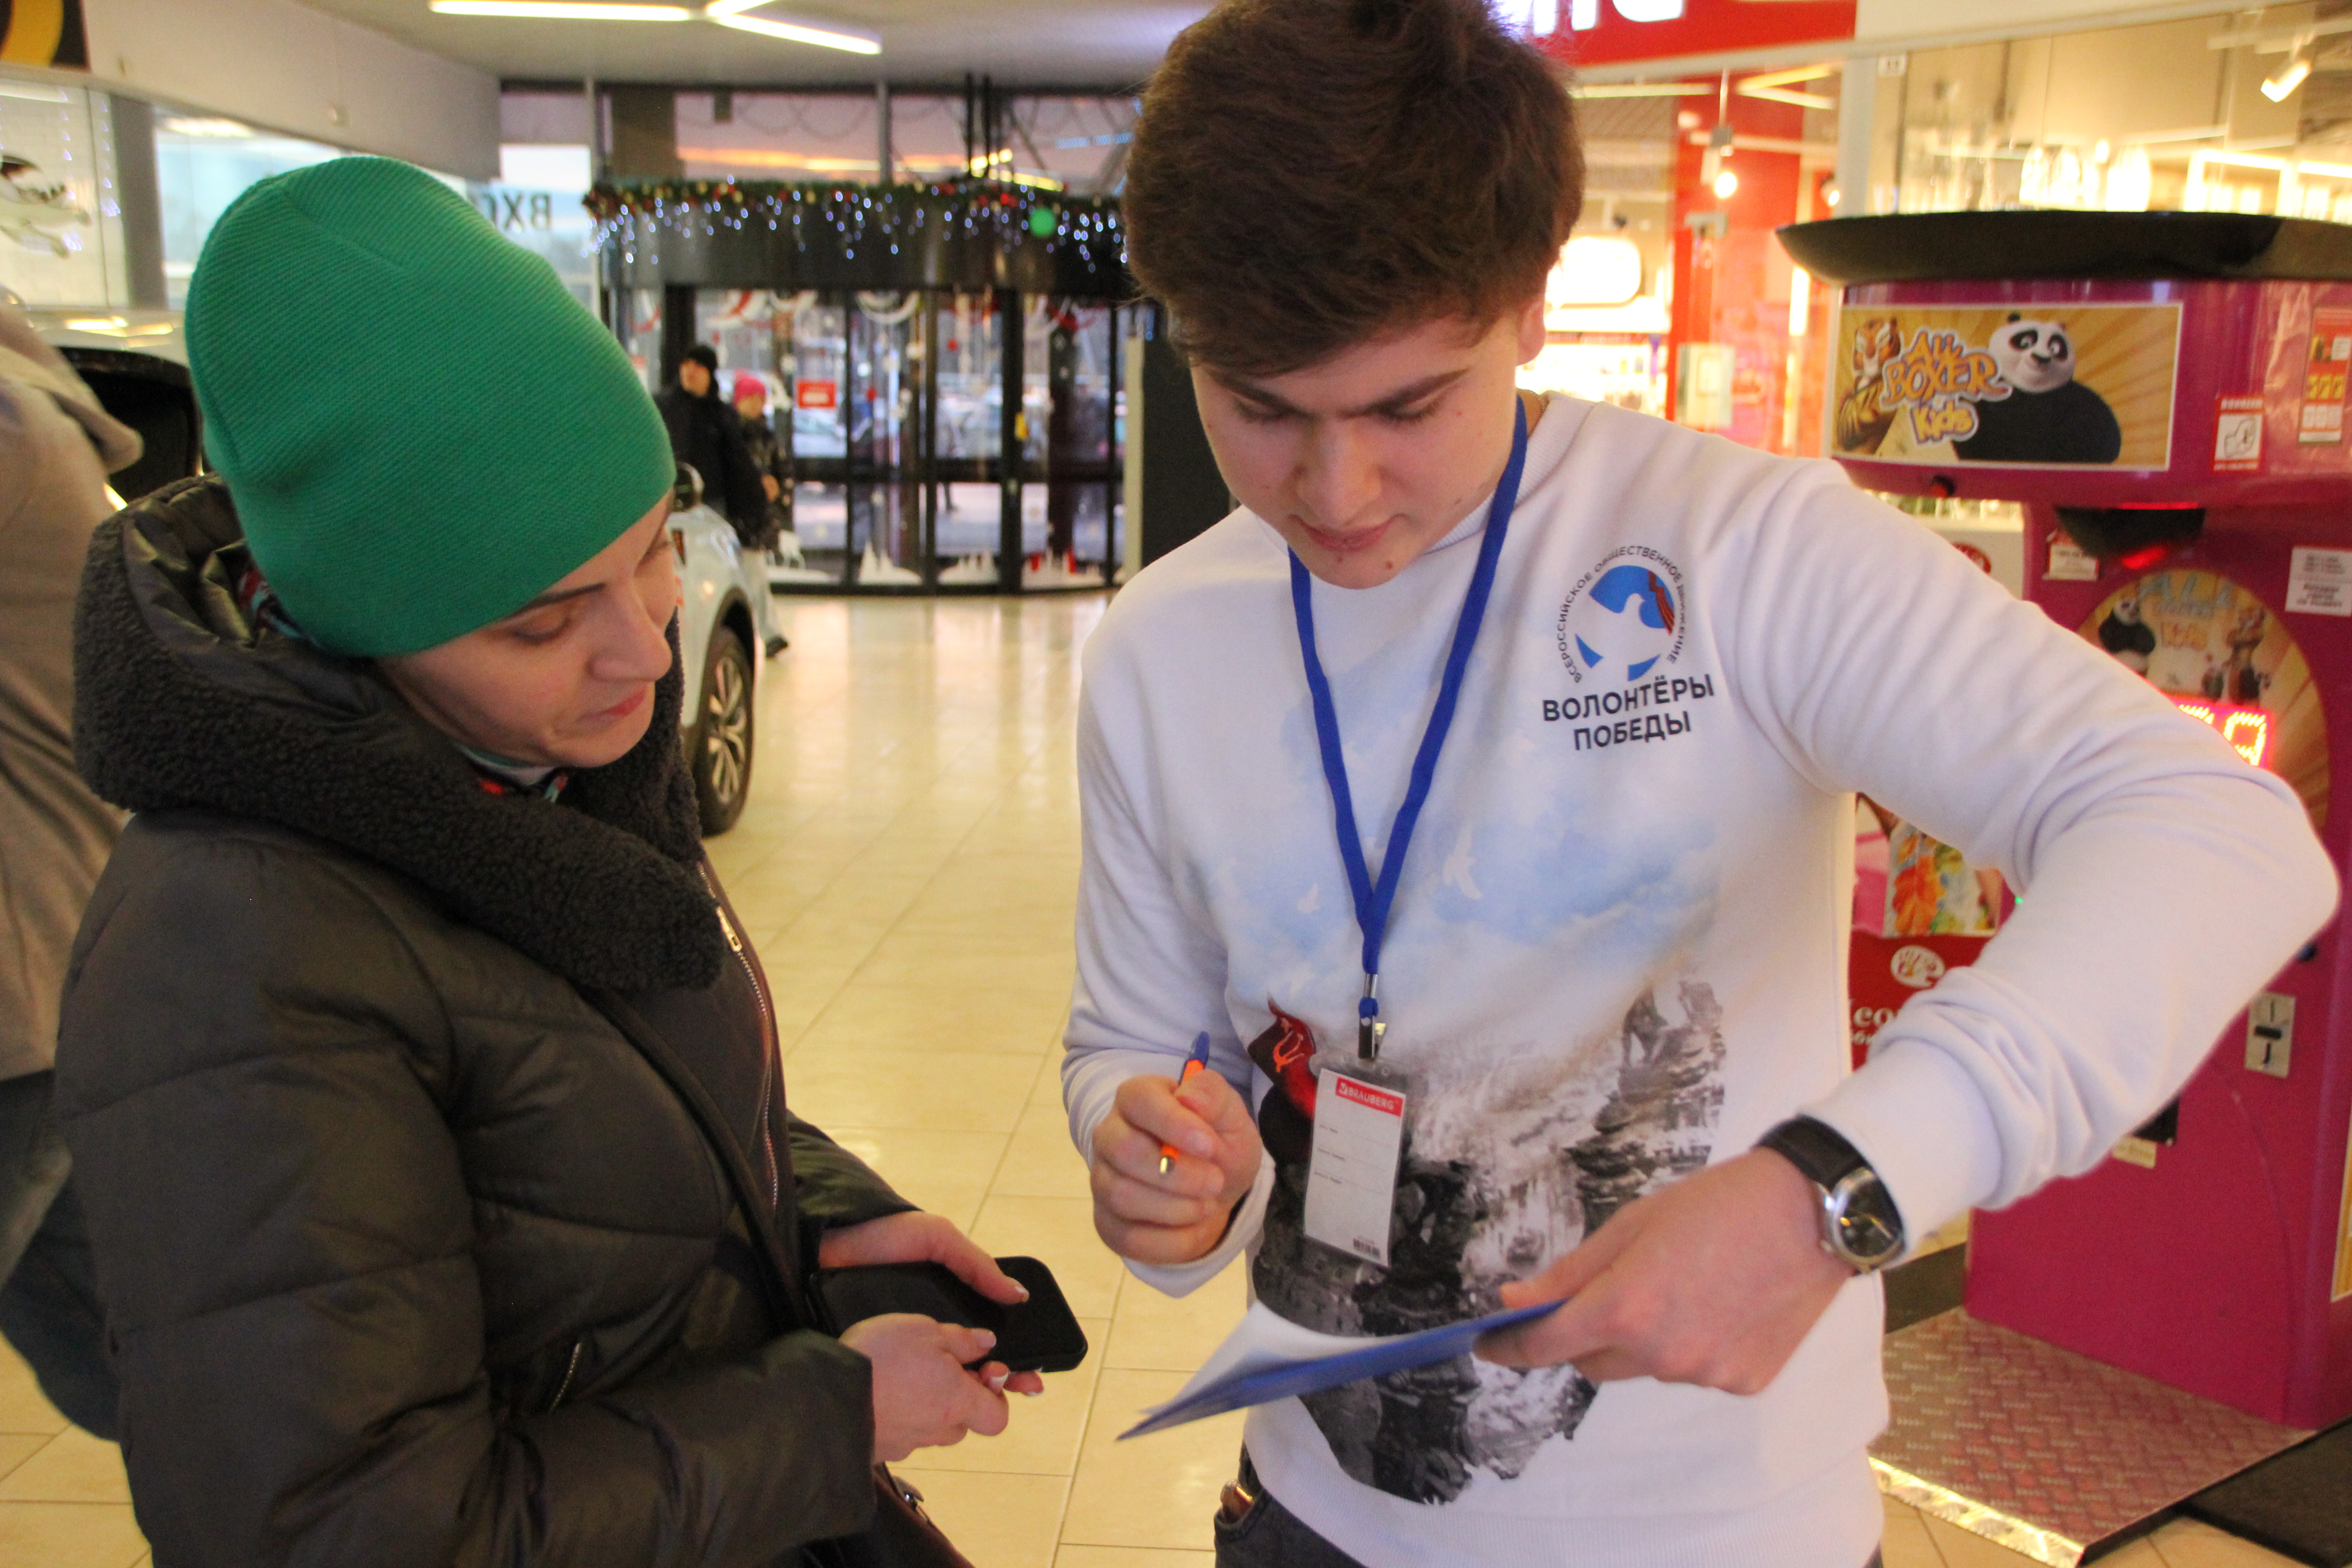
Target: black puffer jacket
{"points": [[412, 1253], [709, 435], [767, 454]]}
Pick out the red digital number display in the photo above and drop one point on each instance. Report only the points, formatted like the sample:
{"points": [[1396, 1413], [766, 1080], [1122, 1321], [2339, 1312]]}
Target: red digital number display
{"points": [[2248, 730]]}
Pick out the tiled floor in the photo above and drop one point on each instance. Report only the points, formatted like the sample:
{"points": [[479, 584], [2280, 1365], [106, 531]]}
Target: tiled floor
{"points": [[907, 864], [63, 1500]]}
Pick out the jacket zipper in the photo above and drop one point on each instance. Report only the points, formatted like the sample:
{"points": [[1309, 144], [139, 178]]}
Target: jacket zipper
{"points": [[571, 1369], [767, 1047]]}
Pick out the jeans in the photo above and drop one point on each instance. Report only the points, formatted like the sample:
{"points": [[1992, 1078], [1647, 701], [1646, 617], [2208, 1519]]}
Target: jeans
{"points": [[48, 1304], [1255, 1531]]}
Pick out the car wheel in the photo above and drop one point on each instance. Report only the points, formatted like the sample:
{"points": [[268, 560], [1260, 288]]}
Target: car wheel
{"points": [[721, 757]]}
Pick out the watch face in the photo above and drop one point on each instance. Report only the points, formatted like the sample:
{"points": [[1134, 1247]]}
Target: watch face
{"points": [[1868, 1232], [1868, 1236]]}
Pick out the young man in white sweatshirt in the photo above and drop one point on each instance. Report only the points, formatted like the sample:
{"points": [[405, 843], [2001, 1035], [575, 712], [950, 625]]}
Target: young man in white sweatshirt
{"points": [[1610, 982]]}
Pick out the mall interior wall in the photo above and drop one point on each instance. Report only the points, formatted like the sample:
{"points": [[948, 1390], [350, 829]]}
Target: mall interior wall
{"points": [[276, 64]]}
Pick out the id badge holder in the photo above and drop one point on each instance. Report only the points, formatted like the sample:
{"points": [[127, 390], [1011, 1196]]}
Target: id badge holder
{"points": [[1359, 1119]]}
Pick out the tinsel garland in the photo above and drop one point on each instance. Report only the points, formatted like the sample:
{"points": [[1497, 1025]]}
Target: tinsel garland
{"points": [[861, 214]]}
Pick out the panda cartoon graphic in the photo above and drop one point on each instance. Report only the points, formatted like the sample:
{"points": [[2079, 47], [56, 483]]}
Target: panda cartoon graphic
{"points": [[2124, 634], [2048, 415]]}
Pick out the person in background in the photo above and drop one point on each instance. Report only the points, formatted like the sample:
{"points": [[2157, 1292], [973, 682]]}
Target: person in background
{"points": [[56, 446], [767, 457], [769, 448], [422, 1091], [759, 539], [705, 433]]}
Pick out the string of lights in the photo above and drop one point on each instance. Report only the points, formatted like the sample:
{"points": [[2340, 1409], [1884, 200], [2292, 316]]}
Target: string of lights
{"points": [[818, 217]]}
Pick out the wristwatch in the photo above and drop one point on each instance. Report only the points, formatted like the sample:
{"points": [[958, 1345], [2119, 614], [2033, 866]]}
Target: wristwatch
{"points": [[1861, 1226]]}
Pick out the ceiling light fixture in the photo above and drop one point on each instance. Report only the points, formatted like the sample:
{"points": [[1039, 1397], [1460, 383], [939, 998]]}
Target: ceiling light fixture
{"points": [[201, 125], [563, 10], [726, 13], [2289, 78], [1775, 87], [1787, 95], [1641, 90], [828, 38], [1791, 76]]}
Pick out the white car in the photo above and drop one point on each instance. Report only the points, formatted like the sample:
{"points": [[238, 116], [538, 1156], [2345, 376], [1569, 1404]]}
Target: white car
{"points": [[721, 635]]}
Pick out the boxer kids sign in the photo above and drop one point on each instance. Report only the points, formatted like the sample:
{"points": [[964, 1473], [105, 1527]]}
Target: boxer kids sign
{"points": [[2031, 386], [1940, 380]]}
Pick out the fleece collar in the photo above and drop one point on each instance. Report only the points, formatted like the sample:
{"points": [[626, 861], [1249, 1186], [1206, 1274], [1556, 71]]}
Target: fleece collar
{"points": [[179, 700]]}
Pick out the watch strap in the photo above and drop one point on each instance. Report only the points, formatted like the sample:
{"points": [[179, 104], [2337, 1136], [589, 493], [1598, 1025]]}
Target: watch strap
{"points": [[1818, 1150]]}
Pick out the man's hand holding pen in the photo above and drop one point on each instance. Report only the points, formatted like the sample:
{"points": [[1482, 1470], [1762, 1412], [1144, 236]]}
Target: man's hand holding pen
{"points": [[1174, 1217]]}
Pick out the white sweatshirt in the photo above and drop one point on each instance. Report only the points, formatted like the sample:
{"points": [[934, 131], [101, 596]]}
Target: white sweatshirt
{"points": [[1618, 948]]}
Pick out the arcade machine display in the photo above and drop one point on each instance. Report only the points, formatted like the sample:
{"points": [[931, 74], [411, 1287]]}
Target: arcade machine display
{"points": [[2164, 393]]}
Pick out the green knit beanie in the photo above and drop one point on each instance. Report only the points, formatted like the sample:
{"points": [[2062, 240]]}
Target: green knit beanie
{"points": [[420, 427]]}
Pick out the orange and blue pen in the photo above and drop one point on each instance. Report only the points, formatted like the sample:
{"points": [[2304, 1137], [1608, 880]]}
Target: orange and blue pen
{"points": [[1193, 1064]]}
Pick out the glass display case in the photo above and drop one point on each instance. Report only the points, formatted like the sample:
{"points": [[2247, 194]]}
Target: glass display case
{"points": [[61, 232]]}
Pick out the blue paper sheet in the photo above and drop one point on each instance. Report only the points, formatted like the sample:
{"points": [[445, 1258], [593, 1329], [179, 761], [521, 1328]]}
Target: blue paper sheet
{"points": [[1242, 1374]]}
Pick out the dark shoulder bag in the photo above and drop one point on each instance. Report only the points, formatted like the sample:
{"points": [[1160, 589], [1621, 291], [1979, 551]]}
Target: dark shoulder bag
{"points": [[901, 1536]]}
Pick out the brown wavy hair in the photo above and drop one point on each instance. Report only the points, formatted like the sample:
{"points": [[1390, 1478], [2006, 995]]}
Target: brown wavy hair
{"points": [[1310, 174]]}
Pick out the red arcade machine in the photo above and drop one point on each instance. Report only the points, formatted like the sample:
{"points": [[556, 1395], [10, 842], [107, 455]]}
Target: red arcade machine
{"points": [[2165, 393]]}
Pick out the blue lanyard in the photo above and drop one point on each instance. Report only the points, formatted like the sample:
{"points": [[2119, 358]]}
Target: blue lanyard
{"points": [[1373, 902]]}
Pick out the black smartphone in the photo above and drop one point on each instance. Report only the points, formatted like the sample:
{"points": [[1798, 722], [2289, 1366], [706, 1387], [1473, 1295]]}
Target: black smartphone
{"points": [[1040, 1334]]}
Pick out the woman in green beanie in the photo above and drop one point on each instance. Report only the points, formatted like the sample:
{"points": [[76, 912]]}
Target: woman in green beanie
{"points": [[423, 1091]]}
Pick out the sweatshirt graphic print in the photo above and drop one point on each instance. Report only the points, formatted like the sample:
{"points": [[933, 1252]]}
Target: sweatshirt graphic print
{"points": [[1500, 1175]]}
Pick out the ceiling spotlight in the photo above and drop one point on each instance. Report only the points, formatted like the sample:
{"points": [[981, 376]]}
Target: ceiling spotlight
{"points": [[563, 10], [727, 15], [201, 125], [1726, 183], [1830, 194], [2276, 88]]}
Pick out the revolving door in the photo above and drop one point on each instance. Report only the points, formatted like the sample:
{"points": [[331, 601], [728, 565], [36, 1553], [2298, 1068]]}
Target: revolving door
{"points": [[899, 468]]}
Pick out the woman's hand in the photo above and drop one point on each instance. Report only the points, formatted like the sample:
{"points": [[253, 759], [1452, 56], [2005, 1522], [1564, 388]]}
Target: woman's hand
{"points": [[930, 1238], [1180, 1214], [923, 1397], [919, 1238]]}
